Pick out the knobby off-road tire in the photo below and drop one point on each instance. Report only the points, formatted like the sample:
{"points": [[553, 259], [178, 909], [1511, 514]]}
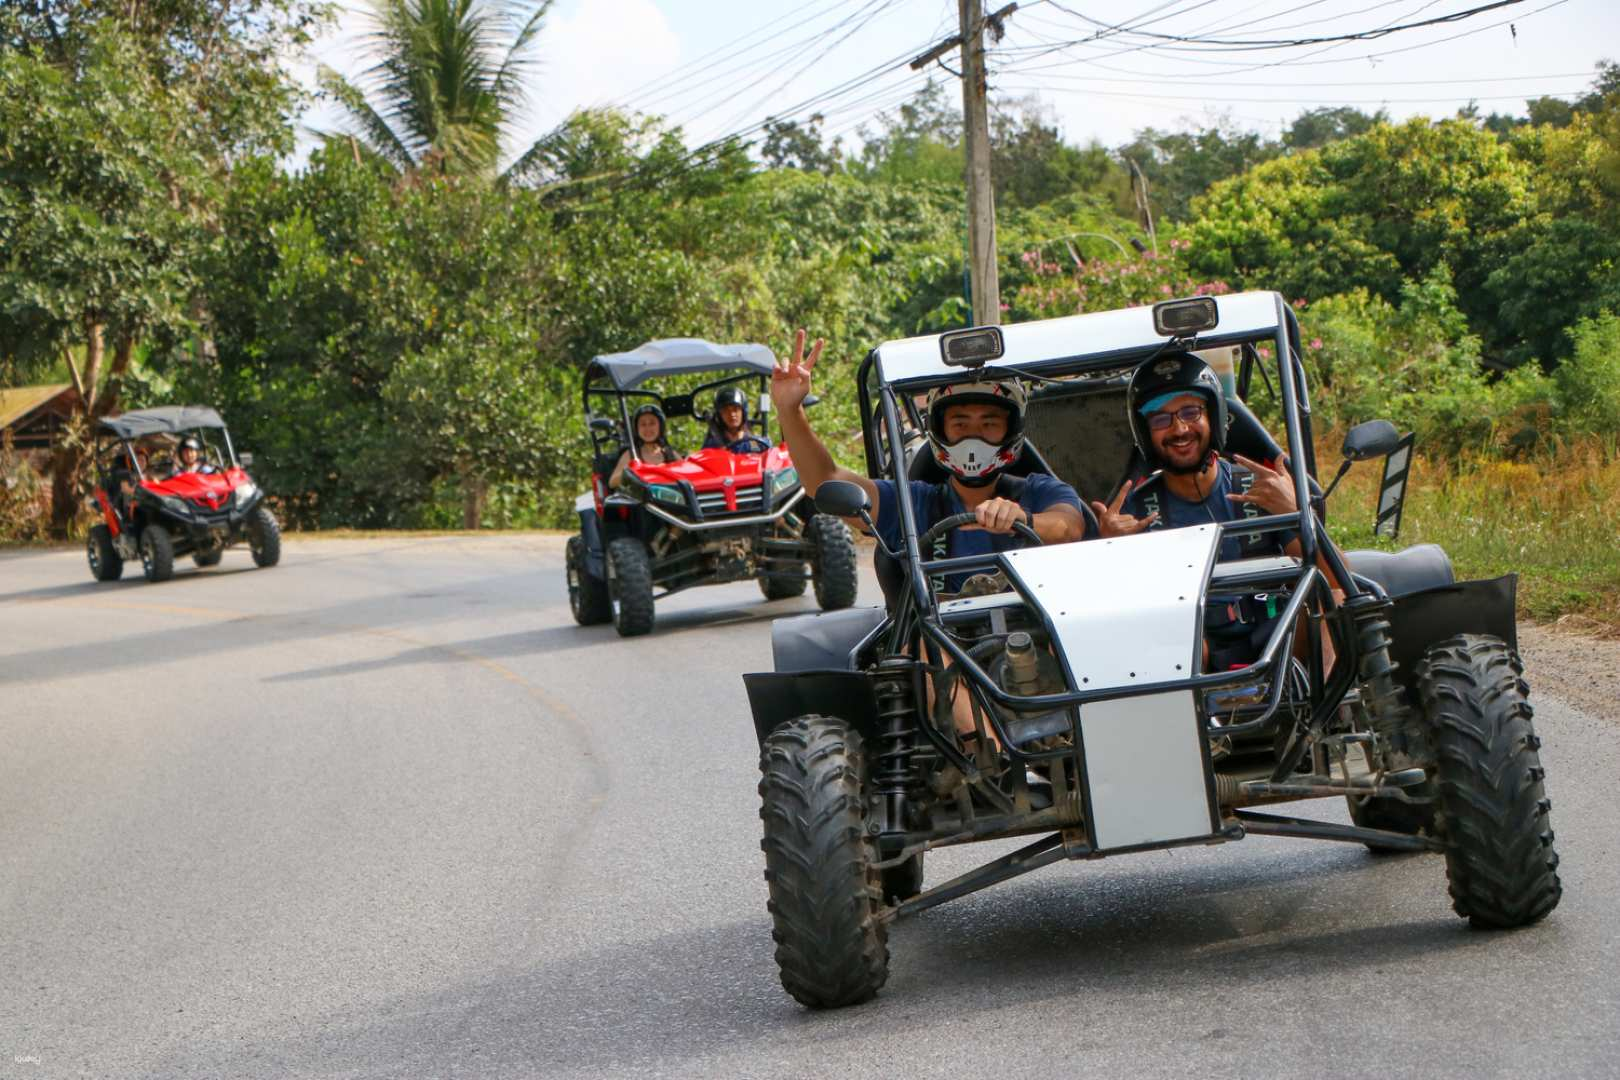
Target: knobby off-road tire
{"points": [[264, 537], [830, 947], [784, 588], [1493, 806], [105, 562], [630, 577], [157, 553], [835, 575], [205, 559], [588, 596]]}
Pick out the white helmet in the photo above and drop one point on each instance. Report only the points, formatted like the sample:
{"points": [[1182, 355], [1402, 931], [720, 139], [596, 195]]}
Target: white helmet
{"points": [[974, 461]]}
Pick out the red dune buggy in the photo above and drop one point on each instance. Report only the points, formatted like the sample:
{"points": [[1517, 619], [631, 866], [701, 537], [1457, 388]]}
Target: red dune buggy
{"points": [[156, 505], [726, 513]]}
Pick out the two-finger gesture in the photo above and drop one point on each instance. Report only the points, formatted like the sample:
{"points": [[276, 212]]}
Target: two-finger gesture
{"points": [[1272, 490], [790, 382], [1113, 521]]}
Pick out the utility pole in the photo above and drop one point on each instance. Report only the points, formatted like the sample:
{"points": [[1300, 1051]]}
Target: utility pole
{"points": [[981, 203]]}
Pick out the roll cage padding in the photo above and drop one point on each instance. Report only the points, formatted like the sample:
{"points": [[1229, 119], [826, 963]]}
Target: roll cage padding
{"points": [[822, 640]]}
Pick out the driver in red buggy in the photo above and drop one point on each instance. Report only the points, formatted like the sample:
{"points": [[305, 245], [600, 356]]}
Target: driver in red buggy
{"points": [[728, 428]]}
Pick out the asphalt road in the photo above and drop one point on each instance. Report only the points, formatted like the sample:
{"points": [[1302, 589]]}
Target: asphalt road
{"points": [[384, 811]]}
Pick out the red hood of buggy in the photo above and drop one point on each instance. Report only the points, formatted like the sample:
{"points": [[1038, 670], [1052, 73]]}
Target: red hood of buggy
{"points": [[212, 490], [709, 470]]}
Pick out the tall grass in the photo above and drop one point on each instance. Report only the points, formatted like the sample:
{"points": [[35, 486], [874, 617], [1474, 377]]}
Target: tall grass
{"points": [[1553, 517]]}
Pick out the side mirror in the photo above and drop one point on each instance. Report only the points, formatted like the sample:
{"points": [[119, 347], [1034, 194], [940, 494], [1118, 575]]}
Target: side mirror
{"points": [[841, 498], [1374, 439], [602, 424], [246, 458]]}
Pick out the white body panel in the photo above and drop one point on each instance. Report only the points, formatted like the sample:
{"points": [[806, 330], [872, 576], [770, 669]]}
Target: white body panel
{"points": [[1033, 345], [1128, 612]]}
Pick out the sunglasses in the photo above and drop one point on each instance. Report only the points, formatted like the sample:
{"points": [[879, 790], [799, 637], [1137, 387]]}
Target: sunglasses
{"points": [[1187, 414]]}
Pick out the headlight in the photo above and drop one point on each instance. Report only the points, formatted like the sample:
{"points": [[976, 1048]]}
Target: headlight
{"points": [[245, 493], [782, 481], [668, 493], [175, 505]]}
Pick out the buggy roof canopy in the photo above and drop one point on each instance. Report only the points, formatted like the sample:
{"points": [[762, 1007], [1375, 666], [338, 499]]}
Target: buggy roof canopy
{"points": [[1097, 340], [168, 420], [677, 356]]}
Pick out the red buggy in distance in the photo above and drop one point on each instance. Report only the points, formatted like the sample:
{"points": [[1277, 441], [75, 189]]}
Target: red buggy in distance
{"points": [[720, 515], [154, 508]]}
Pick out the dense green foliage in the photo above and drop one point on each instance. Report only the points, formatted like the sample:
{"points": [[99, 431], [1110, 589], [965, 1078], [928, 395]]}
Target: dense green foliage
{"points": [[397, 330]]}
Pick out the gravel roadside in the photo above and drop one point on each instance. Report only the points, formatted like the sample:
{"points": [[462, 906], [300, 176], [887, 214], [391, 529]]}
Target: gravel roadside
{"points": [[1576, 668]]}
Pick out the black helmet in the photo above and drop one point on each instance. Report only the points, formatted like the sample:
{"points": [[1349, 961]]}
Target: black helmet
{"points": [[731, 395], [1167, 375], [635, 419], [191, 442]]}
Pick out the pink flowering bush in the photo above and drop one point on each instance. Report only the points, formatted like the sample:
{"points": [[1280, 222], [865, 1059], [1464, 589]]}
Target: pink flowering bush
{"points": [[1102, 285]]}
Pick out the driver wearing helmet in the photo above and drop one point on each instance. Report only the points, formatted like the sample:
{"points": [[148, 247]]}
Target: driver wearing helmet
{"points": [[191, 457], [729, 425], [1178, 416], [975, 431]]}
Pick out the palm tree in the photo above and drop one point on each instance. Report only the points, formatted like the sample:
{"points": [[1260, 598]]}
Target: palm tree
{"points": [[448, 80]]}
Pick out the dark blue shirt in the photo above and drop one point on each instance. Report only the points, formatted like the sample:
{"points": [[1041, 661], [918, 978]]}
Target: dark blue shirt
{"points": [[934, 502], [1174, 512]]}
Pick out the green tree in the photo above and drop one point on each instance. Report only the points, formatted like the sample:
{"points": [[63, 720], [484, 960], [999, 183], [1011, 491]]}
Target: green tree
{"points": [[1030, 163], [1181, 165], [1318, 127], [791, 145], [447, 82]]}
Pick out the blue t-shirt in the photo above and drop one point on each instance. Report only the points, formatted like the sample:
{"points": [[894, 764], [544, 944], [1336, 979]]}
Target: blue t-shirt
{"points": [[934, 502], [1174, 512]]}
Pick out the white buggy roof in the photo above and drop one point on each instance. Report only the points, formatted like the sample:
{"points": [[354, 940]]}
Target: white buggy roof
{"points": [[1100, 336]]}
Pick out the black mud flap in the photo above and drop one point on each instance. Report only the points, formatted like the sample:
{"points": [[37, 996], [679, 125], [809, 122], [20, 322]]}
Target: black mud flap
{"points": [[777, 697], [1420, 619]]}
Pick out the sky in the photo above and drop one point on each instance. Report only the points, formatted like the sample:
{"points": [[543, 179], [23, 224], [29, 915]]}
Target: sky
{"points": [[724, 66]]}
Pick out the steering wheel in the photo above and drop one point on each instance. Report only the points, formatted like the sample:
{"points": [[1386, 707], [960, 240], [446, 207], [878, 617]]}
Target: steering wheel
{"points": [[956, 521], [749, 444]]}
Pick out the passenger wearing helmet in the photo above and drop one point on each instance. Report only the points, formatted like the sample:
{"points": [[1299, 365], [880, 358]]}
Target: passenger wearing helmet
{"points": [[1178, 416], [975, 431], [728, 427], [651, 446]]}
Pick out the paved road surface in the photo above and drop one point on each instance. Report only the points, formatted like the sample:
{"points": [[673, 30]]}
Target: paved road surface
{"points": [[384, 811]]}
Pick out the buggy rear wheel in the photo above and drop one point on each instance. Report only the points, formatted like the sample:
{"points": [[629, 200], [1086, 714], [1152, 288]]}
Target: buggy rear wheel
{"points": [[830, 947], [1493, 805], [157, 553], [834, 570], [587, 596], [631, 584], [105, 562], [264, 537]]}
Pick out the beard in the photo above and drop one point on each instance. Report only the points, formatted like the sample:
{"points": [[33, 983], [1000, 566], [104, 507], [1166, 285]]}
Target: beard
{"points": [[1183, 463]]}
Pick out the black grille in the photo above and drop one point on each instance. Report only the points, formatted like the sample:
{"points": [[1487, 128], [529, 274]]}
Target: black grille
{"points": [[750, 500]]}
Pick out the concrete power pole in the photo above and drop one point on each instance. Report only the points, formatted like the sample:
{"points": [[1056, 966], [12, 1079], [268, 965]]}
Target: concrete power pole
{"points": [[981, 203]]}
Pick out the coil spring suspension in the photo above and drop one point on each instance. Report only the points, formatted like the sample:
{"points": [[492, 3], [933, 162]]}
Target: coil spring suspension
{"points": [[895, 774], [1387, 710]]}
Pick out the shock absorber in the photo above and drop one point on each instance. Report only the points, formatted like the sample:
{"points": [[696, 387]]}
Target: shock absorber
{"points": [[1387, 710], [894, 772]]}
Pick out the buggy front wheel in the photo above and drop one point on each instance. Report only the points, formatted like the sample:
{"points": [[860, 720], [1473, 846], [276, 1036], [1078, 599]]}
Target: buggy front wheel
{"points": [[834, 571], [631, 582], [587, 595], [157, 553], [264, 537], [1493, 814], [831, 948]]}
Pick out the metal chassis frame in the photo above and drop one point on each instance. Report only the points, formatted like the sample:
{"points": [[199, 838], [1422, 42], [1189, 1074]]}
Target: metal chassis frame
{"points": [[917, 620]]}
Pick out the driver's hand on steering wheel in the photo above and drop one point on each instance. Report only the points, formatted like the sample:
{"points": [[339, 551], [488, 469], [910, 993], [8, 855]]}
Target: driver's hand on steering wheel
{"points": [[998, 515]]}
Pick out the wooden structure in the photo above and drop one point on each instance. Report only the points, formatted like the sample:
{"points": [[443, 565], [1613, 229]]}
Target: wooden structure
{"points": [[33, 415]]}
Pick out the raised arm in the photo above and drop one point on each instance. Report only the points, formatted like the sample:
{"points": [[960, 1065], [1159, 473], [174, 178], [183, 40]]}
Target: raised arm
{"points": [[790, 385]]}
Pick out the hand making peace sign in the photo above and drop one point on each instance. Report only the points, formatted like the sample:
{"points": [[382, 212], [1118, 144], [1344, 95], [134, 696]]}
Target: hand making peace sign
{"points": [[1111, 521], [790, 382]]}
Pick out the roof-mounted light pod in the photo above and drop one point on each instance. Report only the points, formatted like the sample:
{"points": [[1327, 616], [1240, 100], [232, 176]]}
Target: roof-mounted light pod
{"points": [[1186, 318], [971, 348]]}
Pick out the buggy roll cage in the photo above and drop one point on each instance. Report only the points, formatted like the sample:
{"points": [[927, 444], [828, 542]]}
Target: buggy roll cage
{"points": [[128, 427], [917, 612], [682, 405]]}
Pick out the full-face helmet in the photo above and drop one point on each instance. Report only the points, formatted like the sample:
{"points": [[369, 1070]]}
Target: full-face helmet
{"points": [[972, 460], [731, 395]]}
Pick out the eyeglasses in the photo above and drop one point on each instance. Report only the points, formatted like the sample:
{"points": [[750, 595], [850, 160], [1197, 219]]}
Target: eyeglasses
{"points": [[1187, 414]]}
